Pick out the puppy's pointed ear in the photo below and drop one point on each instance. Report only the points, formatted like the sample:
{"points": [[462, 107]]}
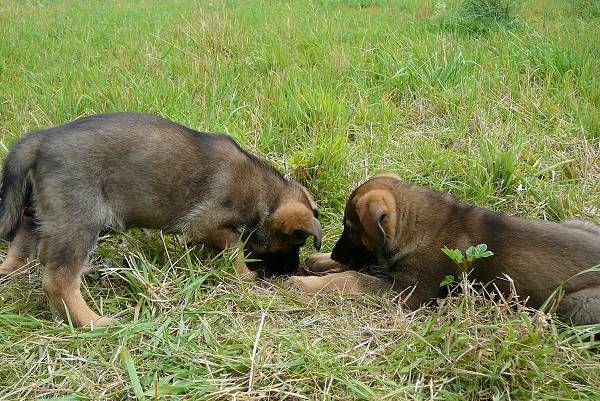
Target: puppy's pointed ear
{"points": [[296, 219], [377, 212]]}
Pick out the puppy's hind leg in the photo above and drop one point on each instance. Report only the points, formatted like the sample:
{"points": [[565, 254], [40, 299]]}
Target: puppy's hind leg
{"points": [[64, 259], [581, 307], [22, 248]]}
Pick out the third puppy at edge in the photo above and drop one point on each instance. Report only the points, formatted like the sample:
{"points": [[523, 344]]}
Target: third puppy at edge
{"points": [[400, 228]]}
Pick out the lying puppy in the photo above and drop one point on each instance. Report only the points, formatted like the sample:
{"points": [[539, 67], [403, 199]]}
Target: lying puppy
{"points": [[401, 228], [123, 170]]}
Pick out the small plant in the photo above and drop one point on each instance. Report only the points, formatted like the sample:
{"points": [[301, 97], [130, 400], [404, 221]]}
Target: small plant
{"points": [[586, 8], [464, 262], [480, 16], [489, 11]]}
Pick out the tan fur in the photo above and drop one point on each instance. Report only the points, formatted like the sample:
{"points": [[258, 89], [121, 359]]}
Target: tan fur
{"points": [[294, 216], [242, 269], [377, 212], [348, 282], [20, 253], [63, 292], [321, 262], [537, 255]]}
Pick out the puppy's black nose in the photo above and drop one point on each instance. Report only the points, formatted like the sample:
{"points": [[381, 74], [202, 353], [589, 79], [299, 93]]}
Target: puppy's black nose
{"points": [[340, 251], [281, 263]]}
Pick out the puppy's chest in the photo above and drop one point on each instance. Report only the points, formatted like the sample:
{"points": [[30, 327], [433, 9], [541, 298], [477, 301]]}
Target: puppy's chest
{"points": [[402, 263], [403, 257], [421, 263]]}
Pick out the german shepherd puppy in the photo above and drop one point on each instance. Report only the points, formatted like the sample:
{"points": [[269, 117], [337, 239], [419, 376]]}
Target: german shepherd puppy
{"points": [[124, 170], [400, 228]]}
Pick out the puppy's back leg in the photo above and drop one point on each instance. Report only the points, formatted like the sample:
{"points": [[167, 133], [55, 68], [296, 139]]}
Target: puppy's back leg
{"points": [[71, 209], [581, 307], [22, 248], [64, 258]]}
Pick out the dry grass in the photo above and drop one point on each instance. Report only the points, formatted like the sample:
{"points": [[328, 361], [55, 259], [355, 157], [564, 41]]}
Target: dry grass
{"points": [[331, 92]]}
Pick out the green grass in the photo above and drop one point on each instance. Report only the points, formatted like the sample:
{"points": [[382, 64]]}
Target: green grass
{"points": [[502, 110]]}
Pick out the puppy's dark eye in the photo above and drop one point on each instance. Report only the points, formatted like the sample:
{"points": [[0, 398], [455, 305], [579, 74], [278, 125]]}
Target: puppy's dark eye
{"points": [[348, 229], [315, 213]]}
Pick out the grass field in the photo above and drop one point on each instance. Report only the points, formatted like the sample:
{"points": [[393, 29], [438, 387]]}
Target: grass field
{"points": [[500, 108]]}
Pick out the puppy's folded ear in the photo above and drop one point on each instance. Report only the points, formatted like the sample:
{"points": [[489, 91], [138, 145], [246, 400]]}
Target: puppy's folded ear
{"points": [[377, 212], [312, 229], [313, 204], [296, 219], [375, 216]]}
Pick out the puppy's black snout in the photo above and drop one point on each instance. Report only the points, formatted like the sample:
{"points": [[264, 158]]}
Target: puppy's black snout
{"points": [[281, 263], [341, 251], [335, 253]]}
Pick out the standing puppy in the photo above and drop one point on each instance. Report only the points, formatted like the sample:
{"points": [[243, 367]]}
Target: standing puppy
{"points": [[401, 228], [123, 170]]}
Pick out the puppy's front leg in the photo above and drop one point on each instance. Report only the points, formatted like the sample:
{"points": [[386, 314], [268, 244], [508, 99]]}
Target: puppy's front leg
{"points": [[348, 282], [322, 262], [225, 238], [239, 264]]}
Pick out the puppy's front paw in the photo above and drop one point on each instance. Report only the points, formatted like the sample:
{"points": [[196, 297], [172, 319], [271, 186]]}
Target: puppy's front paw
{"points": [[322, 262], [304, 284], [293, 283], [245, 274], [105, 322], [249, 276]]}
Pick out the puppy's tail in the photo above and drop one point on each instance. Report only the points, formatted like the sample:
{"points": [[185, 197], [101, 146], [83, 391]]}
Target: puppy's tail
{"points": [[15, 192]]}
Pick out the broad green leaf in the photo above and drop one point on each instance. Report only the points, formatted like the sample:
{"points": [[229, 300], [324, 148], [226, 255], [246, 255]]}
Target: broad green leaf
{"points": [[454, 254]]}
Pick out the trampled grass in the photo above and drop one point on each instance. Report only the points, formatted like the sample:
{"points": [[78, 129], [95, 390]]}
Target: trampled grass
{"points": [[500, 109]]}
